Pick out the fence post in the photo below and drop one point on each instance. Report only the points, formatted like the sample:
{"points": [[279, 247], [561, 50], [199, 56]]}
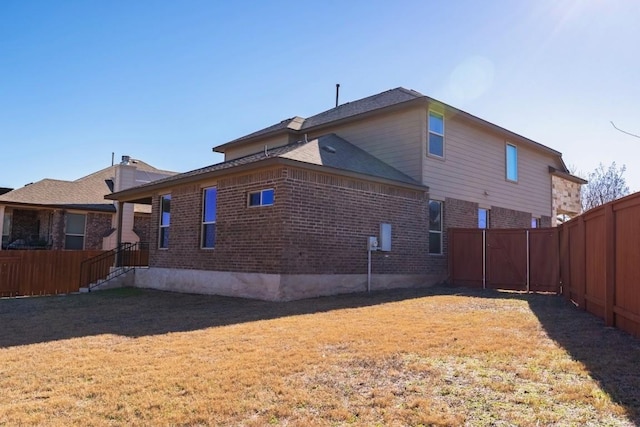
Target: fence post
{"points": [[580, 285], [610, 264], [484, 258], [528, 262]]}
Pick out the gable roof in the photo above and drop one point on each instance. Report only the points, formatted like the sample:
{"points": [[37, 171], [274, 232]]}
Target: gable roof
{"points": [[298, 124], [86, 193], [330, 152], [382, 102]]}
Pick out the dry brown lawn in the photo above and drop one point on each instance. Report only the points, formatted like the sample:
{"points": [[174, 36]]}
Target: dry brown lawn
{"points": [[413, 357]]}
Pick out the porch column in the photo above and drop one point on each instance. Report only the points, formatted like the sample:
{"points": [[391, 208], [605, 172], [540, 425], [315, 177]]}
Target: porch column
{"points": [[1, 224], [120, 211]]}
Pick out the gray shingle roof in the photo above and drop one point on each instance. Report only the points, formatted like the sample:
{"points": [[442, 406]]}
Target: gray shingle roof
{"points": [[343, 111], [329, 151], [364, 105], [334, 152], [84, 193]]}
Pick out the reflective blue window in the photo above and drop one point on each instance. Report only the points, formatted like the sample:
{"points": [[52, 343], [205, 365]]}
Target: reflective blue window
{"points": [[512, 162], [209, 207], [483, 218], [261, 198]]}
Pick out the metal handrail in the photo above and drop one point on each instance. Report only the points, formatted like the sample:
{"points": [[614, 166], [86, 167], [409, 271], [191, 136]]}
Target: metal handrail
{"points": [[95, 271]]}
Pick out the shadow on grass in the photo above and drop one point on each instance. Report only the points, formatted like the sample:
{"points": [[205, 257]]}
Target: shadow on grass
{"points": [[140, 312], [610, 355]]}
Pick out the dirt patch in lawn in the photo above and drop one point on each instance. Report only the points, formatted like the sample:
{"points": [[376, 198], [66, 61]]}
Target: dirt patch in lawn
{"points": [[440, 356]]}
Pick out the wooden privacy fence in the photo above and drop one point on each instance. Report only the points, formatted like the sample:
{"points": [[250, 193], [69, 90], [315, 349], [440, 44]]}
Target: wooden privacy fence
{"points": [[41, 272], [514, 259], [600, 262]]}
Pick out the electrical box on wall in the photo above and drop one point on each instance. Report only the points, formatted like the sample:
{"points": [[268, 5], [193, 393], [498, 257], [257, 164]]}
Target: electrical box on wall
{"points": [[385, 237], [373, 243]]}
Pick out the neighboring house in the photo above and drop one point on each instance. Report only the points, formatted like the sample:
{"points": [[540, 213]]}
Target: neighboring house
{"points": [[4, 190], [289, 212], [55, 214]]}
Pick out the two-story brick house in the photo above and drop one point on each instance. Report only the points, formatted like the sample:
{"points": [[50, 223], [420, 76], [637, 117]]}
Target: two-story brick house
{"points": [[288, 213]]}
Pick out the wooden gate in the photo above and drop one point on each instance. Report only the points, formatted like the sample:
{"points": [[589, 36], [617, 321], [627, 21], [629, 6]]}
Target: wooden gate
{"points": [[512, 259], [506, 259]]}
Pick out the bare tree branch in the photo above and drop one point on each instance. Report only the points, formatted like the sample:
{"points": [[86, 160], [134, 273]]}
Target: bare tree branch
{"points": [[624, 131], [605, 185]]}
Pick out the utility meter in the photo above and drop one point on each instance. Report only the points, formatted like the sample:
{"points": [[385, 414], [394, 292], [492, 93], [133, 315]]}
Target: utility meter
{"points": [[373, 243]]}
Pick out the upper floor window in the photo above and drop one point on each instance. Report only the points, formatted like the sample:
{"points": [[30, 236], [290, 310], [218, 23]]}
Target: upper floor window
{"points": [[435, 227], [74, 231], [483, 218], [435, 141], [261, 198], [165, 220], [512, 162], [209, 207]]}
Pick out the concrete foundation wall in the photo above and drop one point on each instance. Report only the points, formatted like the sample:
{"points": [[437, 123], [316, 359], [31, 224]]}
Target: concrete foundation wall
{"points": [[273, 287]]}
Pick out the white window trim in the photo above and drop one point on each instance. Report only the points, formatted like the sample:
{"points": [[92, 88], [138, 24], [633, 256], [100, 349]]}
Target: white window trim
{"points": [[441, 203], [429, 131], [506, 162], [161, 225], [204, 223], [261, 192]]}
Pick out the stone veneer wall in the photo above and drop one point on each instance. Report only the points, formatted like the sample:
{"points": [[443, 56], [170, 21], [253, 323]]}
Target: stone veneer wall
{"points": [[565, 197]]}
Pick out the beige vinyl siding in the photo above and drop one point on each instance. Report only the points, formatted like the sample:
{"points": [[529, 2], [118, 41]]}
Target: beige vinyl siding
{"points": [[393, 138], [475, 163], [244, 150]]}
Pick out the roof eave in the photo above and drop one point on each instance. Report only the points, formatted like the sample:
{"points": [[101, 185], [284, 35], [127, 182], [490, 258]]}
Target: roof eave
{"points": [[138, 194], [243, 141], [358, 175], [78, 206], [567, 176]]}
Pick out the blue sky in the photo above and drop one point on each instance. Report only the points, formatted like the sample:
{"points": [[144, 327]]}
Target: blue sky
{"points": [[165, 81]]}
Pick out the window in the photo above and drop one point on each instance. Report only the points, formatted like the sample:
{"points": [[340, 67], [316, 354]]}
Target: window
{"points": [[74, 231], [512, 162], [261, 198], [436, 134], [483, 218], [165, 220], [209, 207], [6, 228], [535, 222], [435, 227]]}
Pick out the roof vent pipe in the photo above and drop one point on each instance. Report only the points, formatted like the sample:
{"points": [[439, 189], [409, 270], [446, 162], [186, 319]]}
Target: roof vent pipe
{"points": [[337, 93]]}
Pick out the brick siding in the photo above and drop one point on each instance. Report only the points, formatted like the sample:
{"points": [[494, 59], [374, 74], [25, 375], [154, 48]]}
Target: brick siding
{"points": [[509, 218], [142, 227], [318, 224], [98, 226], [545, 222]]}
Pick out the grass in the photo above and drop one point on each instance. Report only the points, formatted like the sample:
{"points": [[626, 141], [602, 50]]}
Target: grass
{"points": [[412, 357]]}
